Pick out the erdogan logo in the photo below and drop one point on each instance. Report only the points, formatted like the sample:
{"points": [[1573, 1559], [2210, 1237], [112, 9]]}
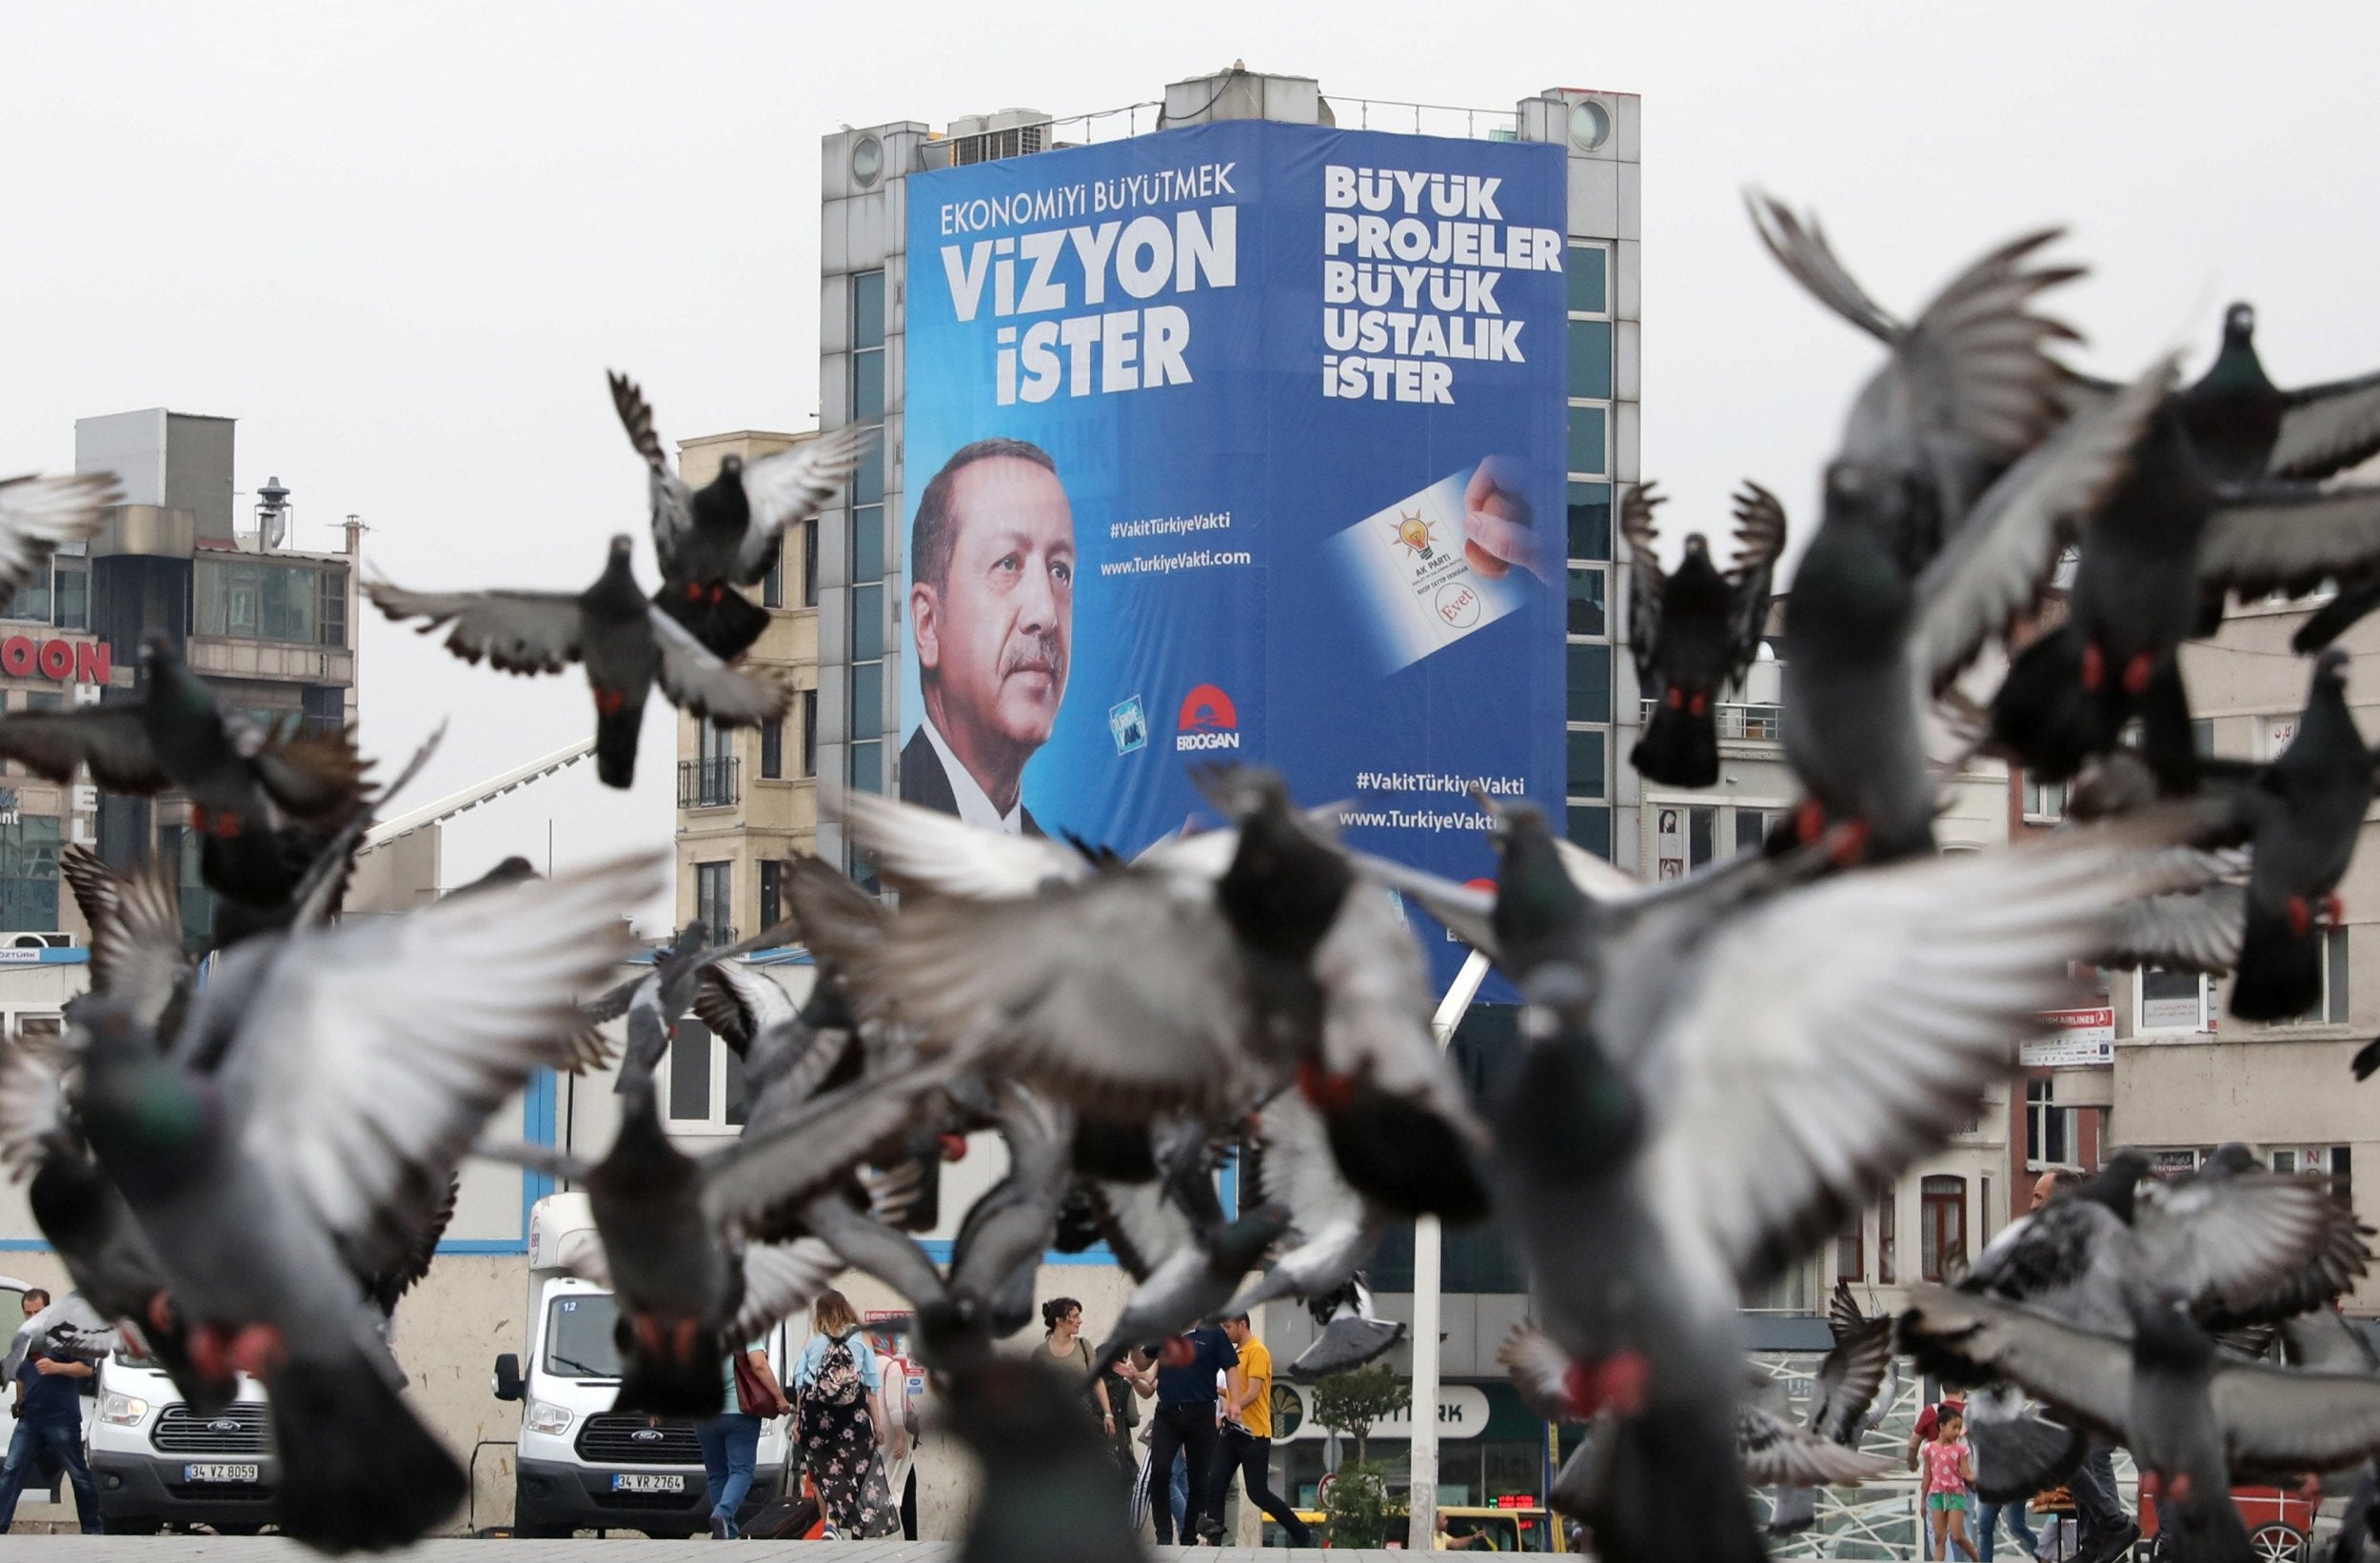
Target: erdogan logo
{"points": [[1209, 721]]}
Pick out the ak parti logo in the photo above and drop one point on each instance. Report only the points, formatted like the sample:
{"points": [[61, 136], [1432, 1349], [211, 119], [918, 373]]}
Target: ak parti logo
{"points": [[1209, 721]]}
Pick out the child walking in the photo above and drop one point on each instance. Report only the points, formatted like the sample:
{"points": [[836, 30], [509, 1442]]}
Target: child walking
{"points": [[1950, 1471]]}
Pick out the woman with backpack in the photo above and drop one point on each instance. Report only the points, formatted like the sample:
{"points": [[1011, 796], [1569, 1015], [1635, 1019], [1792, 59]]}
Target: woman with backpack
{"points": [[839, 1409], [1061, 1320]]}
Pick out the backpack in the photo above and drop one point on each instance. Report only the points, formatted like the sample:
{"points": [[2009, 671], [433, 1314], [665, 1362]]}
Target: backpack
{"points": [[837, 1380]]}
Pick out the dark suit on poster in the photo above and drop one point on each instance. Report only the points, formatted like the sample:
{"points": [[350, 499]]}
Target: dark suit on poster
{"points": [[926, 783]]}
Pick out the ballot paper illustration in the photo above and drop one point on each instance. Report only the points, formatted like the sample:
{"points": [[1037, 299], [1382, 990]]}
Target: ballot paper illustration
{"points": [[1421, 590]]}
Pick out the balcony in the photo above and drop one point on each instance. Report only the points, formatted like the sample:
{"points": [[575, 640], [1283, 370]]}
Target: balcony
{"points": [[707, 784], [1741, 723]]}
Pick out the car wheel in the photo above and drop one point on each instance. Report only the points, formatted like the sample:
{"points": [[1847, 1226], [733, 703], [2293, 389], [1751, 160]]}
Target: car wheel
{"points": [[2276, 1542]]}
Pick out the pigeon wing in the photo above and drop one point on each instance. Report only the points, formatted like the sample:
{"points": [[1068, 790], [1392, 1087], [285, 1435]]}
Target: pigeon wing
{"points": [[2289, 537], [1777, 1453], [1333, 1225], [316, 777], [672, 502], [2275, 1419], [920, 849], [516, 631], [1467, 912], [1541, 1371], [2187, 931], [1802, 248], [701, 685], [2250, 1248], [780, 1280], [2321, 1339], [136, 949], [33, 1101], [2085, 1374], [809, 1151], [1759, 539], [37, 514], [1995, 564], [791, 486], [108, 738], [376, 1051], [1646, 578], [2328, 429], [1859, 1020], [1848, 1379], [738, 1003], [1376, 1010]]}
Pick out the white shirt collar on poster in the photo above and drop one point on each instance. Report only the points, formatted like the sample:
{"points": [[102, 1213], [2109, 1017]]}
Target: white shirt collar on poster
{"points": [[974, 804]]}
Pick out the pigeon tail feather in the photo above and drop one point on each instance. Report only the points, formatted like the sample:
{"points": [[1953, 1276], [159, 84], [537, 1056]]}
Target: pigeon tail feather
{"points": [[650, 1386], [616, 733], [1406, 1157], [359, 1472], [2279, 971], [727, 626], [1672, 1489], [2014, 1460], [1680, 748]]}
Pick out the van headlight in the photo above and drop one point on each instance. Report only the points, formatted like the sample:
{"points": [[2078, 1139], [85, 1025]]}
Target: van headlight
{"points": [[544, 1416], [122, 1409]]}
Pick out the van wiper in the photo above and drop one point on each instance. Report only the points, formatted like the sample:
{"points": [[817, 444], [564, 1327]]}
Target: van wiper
{"points": [[569, 1364]]}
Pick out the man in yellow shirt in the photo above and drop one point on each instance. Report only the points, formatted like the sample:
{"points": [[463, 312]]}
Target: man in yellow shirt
{"points": [[1248, 1431]]}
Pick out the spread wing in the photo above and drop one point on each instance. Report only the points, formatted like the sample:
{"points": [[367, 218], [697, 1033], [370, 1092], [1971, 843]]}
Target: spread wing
{"points": [[809, 1150], [1777, 1453], [2277, 1420], [701, 685], [1858, 1023], [1646, 578], [2188, 931], [517, 631], [375, 1051], [1848, 1379], [33, 1101], [137, 950], [1994, 566], [2251, 1247], [316, 777], [672, 503], [1541, 1371], [737, 1003], [1468, 912], [37, 514], [923, 850], [780, 1280], [2082, 1373], [108, 738], [2290, 538], [791, 486], [1759, 539], [2326, 429]]}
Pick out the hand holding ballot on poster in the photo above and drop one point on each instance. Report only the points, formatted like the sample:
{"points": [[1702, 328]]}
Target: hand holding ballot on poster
{"points": [[1498, 527]]}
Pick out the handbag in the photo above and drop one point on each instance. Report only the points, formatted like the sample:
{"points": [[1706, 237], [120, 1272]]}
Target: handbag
{"points": [[753, 1396]]}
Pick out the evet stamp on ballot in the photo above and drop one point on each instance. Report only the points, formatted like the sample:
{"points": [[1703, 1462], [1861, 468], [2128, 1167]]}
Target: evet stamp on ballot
{"points": [[1419, 582]]}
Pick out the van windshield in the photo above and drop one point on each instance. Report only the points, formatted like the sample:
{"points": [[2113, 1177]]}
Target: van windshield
{"points": [[578, 1337]]}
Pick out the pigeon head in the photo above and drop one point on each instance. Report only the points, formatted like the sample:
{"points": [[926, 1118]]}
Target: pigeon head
{"points": [[2230, 1160], [2239, 325], [1534, 894], [1285, 884], [169, 681], [2114, 1184], [2330, 671]]}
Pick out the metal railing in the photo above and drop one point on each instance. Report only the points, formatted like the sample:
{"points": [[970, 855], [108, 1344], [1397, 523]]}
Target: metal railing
{"points": [[1424, 118], [1741, 724], [707, 784]]}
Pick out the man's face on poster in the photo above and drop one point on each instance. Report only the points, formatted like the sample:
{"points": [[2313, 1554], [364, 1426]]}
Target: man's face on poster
{"points": [[998, 632]]}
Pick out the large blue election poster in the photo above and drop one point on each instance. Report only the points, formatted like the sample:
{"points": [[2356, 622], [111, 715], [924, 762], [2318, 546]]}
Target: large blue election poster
{"points": [[1238, 443]]}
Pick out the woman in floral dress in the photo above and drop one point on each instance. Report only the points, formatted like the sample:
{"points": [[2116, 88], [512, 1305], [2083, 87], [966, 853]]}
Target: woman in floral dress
{"points": [[838, 1408]]}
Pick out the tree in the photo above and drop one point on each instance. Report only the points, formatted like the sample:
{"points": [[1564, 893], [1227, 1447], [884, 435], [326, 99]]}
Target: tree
{"points": [[1350, 1402]]}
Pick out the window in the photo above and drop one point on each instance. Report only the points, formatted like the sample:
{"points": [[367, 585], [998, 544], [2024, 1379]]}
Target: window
{"points": [[2045, 801], [1590, 826], [1851, 1258], [773, 749], [714, 899], [1887, 1236], [1590, 682], [2173, 1002], [247, 600], [1592, 376], [1586, 273], [1590, 359], [1751, 829], [1983, 1214], [28, 873], [773, 584], [810, 732], [1591, 520], [1586, 440], [2331, 1008], [74, 589], [1586, 762], [1586, 601], [810, 563], [2202, 736], [2052, 1134], [772, 891], [333, 614], [32, 599], [709, 781], [1702, 828], [1942, 1229], [865, 760]]}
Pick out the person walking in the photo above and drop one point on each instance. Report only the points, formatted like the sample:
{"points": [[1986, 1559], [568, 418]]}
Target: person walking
{"points": [[1247, 1438], [1186, 1373], [731, 1440], [1062, 1337], [48, 1422], [1950, 1470], [839, 1417]]}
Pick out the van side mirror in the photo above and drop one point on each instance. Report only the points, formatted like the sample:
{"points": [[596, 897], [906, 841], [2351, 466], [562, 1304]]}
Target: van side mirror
{"points": [[508, 1385]]}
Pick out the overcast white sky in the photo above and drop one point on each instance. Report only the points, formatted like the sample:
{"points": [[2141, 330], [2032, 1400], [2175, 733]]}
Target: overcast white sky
{"points": [[402, 243]]}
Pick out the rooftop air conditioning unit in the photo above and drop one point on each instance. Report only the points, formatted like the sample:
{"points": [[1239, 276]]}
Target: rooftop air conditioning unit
{"points": [[41, 942], [991, 146]]}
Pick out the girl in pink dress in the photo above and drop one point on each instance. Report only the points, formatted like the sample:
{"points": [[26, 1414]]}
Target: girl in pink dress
{"points": [[1950, 1470]]}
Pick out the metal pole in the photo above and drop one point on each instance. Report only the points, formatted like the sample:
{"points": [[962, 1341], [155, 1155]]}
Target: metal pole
{"points": [[1421, 1496]]}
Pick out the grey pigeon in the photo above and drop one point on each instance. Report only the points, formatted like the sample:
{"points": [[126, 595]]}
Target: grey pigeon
{"points": [[729, 533], [317, 1085], [1353, 1332], [38, 514], [262, 801], [630, 647], [1969, 386], [1841, 1392], [1332, 1226], [2194, 1419], [1694, 631]]}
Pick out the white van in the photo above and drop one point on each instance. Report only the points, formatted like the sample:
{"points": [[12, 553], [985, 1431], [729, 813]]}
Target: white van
{"points": [[158, 1466], [581, 1467]]}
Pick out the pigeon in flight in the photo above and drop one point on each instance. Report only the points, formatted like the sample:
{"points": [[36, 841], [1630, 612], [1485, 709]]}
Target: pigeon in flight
{"points": [[729, 533], [274, 1150], [1969, 386], [1841, 1392], [1694, 631], [262, 801], [627, 644], [37, 514], [1353, 1332]]}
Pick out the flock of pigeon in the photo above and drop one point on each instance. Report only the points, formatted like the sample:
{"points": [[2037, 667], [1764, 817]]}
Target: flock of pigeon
{"points": [[248, 1171]]}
